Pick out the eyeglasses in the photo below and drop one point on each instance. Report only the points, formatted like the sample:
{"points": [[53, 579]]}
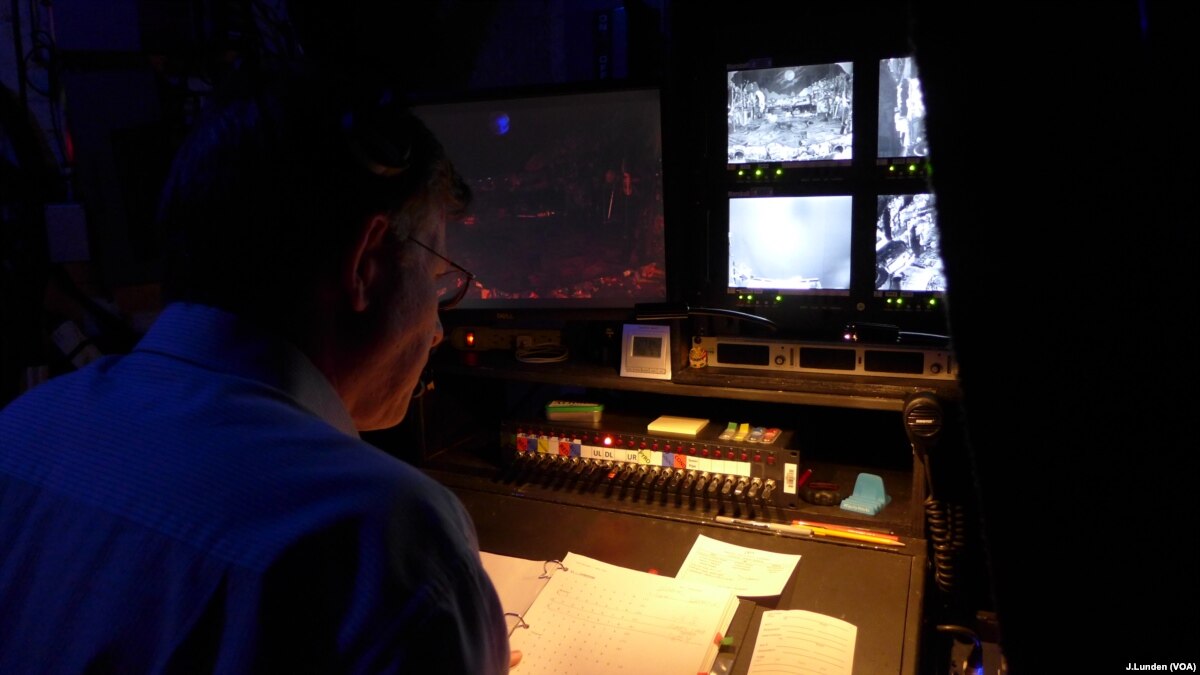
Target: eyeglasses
{"points": [[452, 286]]}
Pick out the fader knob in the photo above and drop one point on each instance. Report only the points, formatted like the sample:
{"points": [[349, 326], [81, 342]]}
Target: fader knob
{"points": [[768, 488], [727, 486]]}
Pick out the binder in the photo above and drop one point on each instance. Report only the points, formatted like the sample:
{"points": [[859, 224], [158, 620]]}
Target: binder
{"points": [[583, 616], [518, 582]]}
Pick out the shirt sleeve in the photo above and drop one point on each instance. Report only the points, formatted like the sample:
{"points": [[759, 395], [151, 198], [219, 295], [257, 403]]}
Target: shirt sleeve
{"points": [[399, 590]]}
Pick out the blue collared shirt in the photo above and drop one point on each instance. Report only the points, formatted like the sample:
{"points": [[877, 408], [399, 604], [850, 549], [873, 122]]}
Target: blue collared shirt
{"points": [[204, 504]]}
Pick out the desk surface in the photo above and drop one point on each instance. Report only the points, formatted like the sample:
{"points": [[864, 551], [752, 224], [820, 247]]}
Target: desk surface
{"points": [[878, 591]]}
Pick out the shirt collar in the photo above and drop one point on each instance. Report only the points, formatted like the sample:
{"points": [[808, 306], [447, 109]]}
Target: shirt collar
{"points": [[218, 340]]}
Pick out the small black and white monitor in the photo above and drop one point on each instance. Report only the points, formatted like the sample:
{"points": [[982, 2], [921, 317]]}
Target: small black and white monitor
{"points": [[908, 244], [790, 245], [901, 131], [791, 115]]}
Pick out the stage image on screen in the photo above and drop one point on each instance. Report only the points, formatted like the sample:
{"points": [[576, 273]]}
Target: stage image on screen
{"points": [[567, 206], [907, 247], [901, 110], [790, 244], [791, 114]]}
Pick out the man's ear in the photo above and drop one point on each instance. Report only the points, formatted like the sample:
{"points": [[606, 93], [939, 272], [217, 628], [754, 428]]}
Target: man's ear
{"points": [[369, 262]]}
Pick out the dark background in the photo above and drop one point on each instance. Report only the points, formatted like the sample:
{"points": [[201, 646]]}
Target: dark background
{"points": [[1069, 300]]}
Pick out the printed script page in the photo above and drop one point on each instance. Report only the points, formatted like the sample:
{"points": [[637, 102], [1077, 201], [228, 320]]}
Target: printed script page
{"points": [[799, 642]]}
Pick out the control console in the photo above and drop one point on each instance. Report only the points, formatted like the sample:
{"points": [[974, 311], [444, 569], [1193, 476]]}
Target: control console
{"points": [[621, 460]]}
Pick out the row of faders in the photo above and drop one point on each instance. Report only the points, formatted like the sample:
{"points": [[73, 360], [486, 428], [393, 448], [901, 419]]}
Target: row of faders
{"points": [[600, 460]]}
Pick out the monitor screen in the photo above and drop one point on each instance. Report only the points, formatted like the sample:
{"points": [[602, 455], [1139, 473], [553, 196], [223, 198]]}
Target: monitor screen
{"points": [[901, 110], [790, 244], [791, 114], [907, 246], [567, 208]]}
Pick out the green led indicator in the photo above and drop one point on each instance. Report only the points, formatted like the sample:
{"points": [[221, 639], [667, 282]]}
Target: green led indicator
{"points": [[933, 302], [778, 172], [758, 172], [899, 301], [912, 168], [892, 168], [749, 297], [889, 301], [779, 298]]}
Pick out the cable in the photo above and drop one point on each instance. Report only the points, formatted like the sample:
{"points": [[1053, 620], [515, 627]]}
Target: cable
{"points": [[973, 663], [543, 354], [945, 524], [947, 537], [662, 311]]}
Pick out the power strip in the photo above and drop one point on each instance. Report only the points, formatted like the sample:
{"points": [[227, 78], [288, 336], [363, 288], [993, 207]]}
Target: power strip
{"points": [[483, 338]]}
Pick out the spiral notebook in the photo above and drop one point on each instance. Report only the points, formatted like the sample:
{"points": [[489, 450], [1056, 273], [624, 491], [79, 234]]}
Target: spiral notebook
{"points": [[590, 617]]}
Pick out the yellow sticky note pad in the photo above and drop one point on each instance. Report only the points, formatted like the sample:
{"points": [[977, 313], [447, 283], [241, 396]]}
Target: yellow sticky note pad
{"points": [[686, 426]]}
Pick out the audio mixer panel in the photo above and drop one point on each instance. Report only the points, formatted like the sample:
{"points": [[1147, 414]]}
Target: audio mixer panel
{"points": [[621, 460]]}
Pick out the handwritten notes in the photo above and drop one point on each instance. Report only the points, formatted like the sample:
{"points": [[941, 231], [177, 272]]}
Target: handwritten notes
{"points": [[748, 572]]}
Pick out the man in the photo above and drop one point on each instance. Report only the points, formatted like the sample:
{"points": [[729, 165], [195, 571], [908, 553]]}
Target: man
{"points": [[204, 503]]}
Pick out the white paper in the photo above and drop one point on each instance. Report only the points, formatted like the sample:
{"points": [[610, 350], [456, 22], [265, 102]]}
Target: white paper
{"points": [[747, 572], [518, 582], [594, 618], [799, 642]]}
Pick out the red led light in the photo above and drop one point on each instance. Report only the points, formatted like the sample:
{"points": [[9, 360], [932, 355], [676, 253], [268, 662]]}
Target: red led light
{"points": [[608, 440], [469, 338]]}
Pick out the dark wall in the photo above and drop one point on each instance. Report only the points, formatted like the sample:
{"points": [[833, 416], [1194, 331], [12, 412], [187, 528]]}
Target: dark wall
{"points": [[1067, 306]]}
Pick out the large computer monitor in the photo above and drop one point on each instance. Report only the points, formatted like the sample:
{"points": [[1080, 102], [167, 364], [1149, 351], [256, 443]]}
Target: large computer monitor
{"points": [[568, 198]]}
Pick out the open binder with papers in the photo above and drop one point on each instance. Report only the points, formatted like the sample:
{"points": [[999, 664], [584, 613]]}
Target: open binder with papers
{"points": [[581, 615]]}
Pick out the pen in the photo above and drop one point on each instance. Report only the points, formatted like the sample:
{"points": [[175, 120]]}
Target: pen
{"points": [[774, 527], [803, 478], [846, 528], [807, 531], [857, 536]]}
